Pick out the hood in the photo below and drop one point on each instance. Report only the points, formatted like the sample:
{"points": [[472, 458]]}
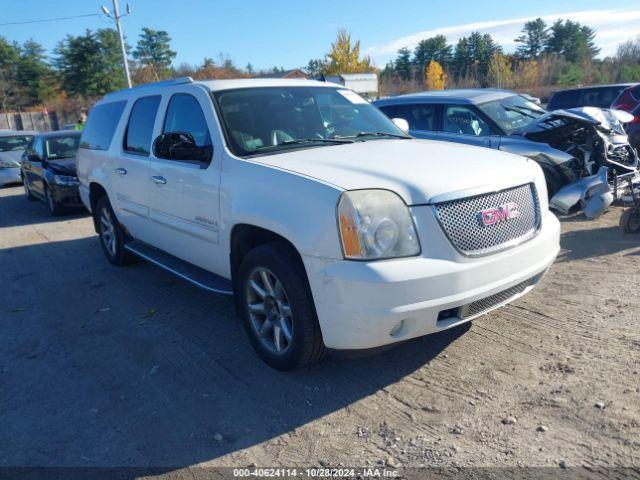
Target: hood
{"points": [[13, 157], [64, 166], [417, 170], [601, 118]]}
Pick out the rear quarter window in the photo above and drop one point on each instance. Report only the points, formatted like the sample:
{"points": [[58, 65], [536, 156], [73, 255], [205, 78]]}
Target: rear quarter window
{"points": [[101, 125]]}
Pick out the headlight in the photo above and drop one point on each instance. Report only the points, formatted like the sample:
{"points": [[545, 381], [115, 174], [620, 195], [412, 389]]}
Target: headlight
{"points": [[66, 181], [8, 164], [376, 224]]}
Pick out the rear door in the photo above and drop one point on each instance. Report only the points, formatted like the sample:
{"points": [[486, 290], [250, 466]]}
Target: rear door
{"points": [[129, 170], [184, 194], [424, 119]]}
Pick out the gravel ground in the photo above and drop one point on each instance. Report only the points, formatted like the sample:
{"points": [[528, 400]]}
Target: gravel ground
{"points": [[105, 366]]}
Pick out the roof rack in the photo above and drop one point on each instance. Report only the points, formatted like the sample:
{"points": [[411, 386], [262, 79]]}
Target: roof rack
{"points": [[162, 83]]}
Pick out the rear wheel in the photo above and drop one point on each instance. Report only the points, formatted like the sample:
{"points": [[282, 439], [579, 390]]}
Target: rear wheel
{"points": [[630, 220], [112, 235], [277, 308], [27, 190], [54, 207]]}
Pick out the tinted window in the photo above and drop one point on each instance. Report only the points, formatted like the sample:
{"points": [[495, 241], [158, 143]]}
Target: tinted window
{"points": [[565, 99], [37, 148], [17, 143], [464, 121], [62, 147], [419, 117], [101, 125], [137, 138], [600, 97], [185, 115]]}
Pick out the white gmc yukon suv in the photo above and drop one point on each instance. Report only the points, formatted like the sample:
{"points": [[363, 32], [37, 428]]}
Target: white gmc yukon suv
{"points": [[332, 228]]}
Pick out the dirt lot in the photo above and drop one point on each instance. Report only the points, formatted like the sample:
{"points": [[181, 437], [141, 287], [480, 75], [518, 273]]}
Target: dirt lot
{"points": [[102, 366]]}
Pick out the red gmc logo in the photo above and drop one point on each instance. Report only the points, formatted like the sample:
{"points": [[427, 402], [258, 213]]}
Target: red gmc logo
{"points": [[498, 214]]}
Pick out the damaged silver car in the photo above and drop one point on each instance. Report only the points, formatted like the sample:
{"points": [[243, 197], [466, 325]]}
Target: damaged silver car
{"points": [[581, 150]]}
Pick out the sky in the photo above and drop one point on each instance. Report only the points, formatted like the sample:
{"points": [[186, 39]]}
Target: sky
{"points": [[288, 33]]}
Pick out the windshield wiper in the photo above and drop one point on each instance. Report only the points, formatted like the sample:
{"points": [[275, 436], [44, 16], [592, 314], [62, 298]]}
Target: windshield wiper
{"points": [[296, 141], [377, 134], [524, 111]]}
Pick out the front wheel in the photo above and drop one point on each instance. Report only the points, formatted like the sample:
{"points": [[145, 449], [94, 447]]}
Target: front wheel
{"points": [[630, 220], [112, 235], [277, 308], [27, 190], [55, 208]]}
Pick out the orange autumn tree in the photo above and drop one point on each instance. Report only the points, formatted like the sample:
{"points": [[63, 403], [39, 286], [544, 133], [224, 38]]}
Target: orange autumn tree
{"points": [[435, 78]]}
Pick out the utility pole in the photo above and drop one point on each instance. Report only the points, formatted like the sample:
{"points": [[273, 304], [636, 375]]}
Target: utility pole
{"points": [[116, 16]]}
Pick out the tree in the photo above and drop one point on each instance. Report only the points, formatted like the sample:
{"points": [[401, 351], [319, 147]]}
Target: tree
{"points": [[535, 35], [89, 65], [472, 57], [435, 78], [500, 74], [344, 57], [432, 49], [575, 42], [403, 64], [316, 67], [9, 60], [34, 75], [526, 74], [153, 51]]}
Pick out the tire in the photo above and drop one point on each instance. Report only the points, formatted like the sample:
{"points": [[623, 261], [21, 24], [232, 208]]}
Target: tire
{"points": [[112, 235], [55, 209], [630, 220], [285, 285], [27, 190]]}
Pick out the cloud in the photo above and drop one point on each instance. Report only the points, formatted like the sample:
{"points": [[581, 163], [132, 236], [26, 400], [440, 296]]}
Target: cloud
{"points": [[612, 27]]}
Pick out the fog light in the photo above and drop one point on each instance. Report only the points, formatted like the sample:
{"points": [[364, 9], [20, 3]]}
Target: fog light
{"points": [[397, 329]]}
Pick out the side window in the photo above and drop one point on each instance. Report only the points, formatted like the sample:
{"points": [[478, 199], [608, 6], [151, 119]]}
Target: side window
{"points": [[137, 138], [38, 147], [565, 99], [101, 125], [462, 120], [184, 114], [418, 116]]}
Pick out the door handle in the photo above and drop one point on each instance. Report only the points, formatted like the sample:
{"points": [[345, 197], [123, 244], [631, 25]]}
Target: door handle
{"points": [[121, 171], [158, 179]]}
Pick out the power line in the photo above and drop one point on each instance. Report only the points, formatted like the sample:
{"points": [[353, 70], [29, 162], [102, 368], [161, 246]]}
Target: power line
{"points": [[50, 19]]}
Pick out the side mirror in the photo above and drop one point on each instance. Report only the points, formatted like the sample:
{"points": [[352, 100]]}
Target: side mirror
{"points": [[181, 146], [32, 157], [402, 124]]}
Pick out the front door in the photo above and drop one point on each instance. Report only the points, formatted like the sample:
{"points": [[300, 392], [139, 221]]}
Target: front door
{"points": [[33, 166], [184, 194], [462, 124]]}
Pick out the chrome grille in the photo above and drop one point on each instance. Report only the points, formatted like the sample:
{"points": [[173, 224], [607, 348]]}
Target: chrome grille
{"points": [[491, 301], [460, 220]]}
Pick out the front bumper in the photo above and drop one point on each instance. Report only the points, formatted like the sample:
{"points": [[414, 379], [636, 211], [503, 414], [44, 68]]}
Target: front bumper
{"points": [[10, 176], [66, 196], [360, 304]]}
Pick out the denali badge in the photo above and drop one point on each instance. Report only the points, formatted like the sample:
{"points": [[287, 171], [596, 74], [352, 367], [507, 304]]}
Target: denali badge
{"points": [[498, 214]]}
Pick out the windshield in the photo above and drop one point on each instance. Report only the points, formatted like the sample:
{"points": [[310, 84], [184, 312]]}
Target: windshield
{"points": [[512, 113], [274, 119], [11, 144], [62, 147]]}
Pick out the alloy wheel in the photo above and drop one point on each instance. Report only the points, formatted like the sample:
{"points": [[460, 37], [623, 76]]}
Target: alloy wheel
{"points": [[269, 310], [108, 232]]}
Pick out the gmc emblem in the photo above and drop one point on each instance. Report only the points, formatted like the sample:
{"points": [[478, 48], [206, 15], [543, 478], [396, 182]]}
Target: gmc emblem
{"points": [[498, 214]]}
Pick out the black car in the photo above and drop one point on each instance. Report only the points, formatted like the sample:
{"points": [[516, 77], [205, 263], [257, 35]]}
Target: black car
{"points": [[48, 170], [597, 96]]}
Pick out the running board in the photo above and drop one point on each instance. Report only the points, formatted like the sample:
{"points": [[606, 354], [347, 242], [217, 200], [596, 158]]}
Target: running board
{"points": [[185, 270]]}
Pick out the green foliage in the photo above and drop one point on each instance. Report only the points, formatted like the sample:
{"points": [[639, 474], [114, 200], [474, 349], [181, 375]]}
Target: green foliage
{"points": [[403, 64], [533, 39], [9, 59], [472, 57], [431, 49], [575, 42], [34, 75], [90, 65], [569, 74], [153, 51], [629, 73], [344, 57]]}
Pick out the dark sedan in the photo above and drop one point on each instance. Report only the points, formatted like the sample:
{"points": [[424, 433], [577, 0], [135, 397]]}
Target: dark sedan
{"points": [[48, 170]]}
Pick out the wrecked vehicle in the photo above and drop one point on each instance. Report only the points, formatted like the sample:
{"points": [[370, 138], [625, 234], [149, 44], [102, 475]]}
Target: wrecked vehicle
{"points": [[580, 150]]}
